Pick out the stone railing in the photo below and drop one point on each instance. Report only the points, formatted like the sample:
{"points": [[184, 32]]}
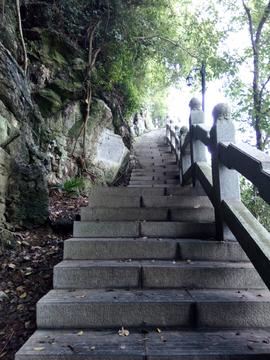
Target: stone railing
{"points": [[220, 180]]}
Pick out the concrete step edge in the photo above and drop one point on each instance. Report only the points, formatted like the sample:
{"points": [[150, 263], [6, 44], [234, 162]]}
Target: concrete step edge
{"points": [[212, 343]]}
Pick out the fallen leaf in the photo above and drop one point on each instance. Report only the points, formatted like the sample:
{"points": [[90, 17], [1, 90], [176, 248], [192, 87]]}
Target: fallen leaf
{"points": [[163, 339], [197, 206], [153, 260], [23, 295], [12, 266], [238, 333], [188, 261], [3, 354], [214, 344], [20, 288], [129, 260], [79, 296], [158, 330], [123, 332], [266, 341], [80, 333], [145, 237], [93, 348], [259, 295], [250, 347], [159, 239], [39, 348]]}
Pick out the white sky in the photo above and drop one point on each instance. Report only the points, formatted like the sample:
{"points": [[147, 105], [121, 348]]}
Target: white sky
{"points": [[179, 101]]}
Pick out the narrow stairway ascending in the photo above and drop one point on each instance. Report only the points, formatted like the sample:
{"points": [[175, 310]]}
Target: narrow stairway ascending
{"points": [[144, 258]]}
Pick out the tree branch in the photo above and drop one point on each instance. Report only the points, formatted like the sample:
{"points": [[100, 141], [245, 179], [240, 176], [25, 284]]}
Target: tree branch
{"points": [[264, 85], [169, 41], [250, 25], [263, 20]]}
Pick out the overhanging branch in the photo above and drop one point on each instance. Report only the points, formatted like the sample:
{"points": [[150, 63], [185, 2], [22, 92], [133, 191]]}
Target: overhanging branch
{"points": [[169, 41]]}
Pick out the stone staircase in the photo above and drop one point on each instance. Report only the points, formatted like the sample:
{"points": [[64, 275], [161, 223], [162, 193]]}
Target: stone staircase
{"points": [[144, 258]]}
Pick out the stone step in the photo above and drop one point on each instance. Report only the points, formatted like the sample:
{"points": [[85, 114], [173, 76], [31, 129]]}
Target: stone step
{"points": [[194, 202], [115, 201], [94, 274], [230, 308], [147, 214], [157, 164], [151, 274], [199, 275], [154, 182], [154, 176], [91, 345], [128, 229], [152, 248], [211, 344], [160, 171], [153, 185], [124, 214], [100, 308], [125, 191], [142, 191]]}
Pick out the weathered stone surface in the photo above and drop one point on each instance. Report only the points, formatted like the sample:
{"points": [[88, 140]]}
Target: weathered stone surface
{"points": [[98, 345], [200, 275], [124, 214], [124, 249], [178, 230], [211, 250], [8, 240], [115, 201], [42, 113], [105, 229], [209, 344], [111, 155], [105, 309], [141, 122], [224, 308], [85, 274]]}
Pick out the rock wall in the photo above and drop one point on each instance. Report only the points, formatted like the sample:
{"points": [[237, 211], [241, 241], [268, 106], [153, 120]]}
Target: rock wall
{"points": [[41, 114]]}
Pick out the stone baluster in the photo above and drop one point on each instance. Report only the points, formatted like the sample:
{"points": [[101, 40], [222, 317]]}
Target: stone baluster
{"points": [[167, 130], [197, 148], [172, 138], [225, 181], [177, 143], [185, 160]]}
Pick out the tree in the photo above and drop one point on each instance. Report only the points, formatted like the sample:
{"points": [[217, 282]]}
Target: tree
{"points": [[137, 47], [253, 97]]}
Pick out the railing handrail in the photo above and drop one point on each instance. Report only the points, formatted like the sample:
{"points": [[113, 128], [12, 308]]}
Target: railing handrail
{"points": [[220, 181]]}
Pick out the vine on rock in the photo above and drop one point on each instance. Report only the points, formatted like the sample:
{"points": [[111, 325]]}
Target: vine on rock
{"points": [[21, 32]]}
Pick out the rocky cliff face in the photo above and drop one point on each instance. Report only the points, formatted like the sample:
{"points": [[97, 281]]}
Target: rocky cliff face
{"points": [[41, 114]]}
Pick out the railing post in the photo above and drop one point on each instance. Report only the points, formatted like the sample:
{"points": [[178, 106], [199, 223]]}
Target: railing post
{"points": [[177, 143], [167, 129], [185, 161], [197, 148], [225, 181]]}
